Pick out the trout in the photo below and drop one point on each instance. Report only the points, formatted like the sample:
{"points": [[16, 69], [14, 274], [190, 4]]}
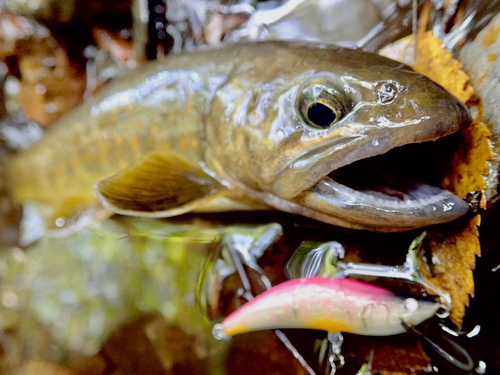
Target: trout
{"points": [[248, 126]]}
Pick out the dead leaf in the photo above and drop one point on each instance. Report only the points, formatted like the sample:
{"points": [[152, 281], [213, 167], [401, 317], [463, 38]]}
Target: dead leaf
{"points": [[453, 260], [470, 162]]}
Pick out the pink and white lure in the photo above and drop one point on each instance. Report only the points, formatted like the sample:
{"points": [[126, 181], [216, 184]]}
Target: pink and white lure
{"points": [[330, 304]]}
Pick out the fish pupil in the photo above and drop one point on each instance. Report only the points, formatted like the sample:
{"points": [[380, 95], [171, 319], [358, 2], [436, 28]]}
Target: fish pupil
{"points": [[321, 115]]}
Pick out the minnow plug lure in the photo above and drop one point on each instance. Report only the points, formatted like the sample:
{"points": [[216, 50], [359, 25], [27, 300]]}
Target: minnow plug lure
{"points": [[330, 304]]}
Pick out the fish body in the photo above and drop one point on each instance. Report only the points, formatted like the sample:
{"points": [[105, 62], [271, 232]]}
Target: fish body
{"points": [[330, 304], [246, 126]]}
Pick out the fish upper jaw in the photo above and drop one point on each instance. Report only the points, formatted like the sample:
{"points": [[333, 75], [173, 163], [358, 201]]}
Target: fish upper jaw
{"points": [[309, 168]]}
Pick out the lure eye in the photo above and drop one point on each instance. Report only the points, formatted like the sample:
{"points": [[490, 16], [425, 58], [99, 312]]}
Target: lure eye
{"points": [[321, 106], [411, 304]]}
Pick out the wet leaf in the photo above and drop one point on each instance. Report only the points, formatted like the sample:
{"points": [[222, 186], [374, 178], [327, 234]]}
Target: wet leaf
{"points": [[453, 249], [470, 162], [453, 260]]}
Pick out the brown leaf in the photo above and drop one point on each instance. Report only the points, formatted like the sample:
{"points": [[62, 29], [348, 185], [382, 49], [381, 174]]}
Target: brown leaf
{"points": [[470, 162], [453, 260]]}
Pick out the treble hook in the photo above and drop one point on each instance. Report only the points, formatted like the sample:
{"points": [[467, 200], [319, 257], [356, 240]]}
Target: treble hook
{"points": [[467, 364]]}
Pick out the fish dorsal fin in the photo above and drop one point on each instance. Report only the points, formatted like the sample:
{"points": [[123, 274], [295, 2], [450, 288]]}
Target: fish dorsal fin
{"points": [[158, 185]]}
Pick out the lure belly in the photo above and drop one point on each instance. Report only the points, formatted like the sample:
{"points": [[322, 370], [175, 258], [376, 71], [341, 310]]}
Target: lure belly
{"points": [[330, 304]]}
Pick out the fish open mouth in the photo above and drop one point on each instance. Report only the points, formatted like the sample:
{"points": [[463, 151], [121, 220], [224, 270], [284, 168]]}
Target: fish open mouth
{"points": [[396, 191]]}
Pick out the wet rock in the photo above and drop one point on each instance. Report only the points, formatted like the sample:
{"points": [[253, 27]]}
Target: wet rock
{"points": [[178, 351], [23, 338], [79, 290], [86, 365]]}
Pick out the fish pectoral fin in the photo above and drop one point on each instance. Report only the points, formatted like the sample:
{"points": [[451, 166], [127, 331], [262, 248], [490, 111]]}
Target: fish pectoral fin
{"points": [[159, 185]]}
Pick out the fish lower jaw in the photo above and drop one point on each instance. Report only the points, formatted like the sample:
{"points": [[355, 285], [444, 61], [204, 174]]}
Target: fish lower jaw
{"points": [[423, 195], [421, 206]]}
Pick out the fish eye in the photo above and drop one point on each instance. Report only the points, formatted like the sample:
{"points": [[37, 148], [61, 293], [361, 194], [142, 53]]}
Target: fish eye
{"points": [[321, 115], [320, 106]]}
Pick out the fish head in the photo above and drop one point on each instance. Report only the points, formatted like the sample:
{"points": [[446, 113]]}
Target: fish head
{"points": [[342, 119], [336, 106]]}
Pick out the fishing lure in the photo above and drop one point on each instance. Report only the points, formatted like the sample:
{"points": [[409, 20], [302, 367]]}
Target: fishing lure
{"points": [[330, 304]]}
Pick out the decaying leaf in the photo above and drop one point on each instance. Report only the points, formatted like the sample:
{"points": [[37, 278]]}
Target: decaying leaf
{"points": [[453, 260], [453, 249]]}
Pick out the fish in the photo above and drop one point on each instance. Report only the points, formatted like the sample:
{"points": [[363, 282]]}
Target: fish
{"points": [[334, 305], [248, 126]]}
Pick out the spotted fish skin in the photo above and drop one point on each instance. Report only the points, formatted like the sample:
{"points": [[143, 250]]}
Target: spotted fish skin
{"points": [[330, 304]]}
